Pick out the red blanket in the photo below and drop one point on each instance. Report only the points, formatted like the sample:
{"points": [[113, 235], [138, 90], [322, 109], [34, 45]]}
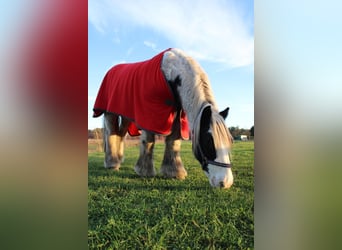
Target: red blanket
{"points": [[139, 92]]}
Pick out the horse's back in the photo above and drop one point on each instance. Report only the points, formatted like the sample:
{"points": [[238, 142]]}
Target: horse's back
{"points": [[139, 92]]}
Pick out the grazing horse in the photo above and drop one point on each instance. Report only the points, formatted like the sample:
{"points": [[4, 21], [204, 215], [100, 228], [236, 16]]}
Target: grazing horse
{"points": [[169, 94]]}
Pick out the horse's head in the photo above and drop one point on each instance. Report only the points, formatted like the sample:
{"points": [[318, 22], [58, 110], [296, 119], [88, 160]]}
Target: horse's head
{"points": [[211, 144]]}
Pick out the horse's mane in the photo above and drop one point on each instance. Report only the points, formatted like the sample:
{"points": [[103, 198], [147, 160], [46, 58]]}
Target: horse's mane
{"points": [[202, 82], [196, 94], [195, 84]]}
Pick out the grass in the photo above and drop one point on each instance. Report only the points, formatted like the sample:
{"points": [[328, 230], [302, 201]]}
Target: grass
{"points": [[127, 212]]}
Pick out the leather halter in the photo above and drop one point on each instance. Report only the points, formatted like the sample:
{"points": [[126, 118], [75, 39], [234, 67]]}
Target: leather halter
{"points": [[205, 160]]}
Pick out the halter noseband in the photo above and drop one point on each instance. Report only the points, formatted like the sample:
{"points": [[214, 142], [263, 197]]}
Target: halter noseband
{"points": [[205, 160]]}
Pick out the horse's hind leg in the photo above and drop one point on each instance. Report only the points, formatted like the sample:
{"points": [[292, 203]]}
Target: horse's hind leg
{"points": [[145, 166], [115, 129], [172, 166]]}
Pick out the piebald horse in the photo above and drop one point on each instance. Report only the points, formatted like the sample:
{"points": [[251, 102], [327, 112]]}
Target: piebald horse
{"points": [[180, 98]]}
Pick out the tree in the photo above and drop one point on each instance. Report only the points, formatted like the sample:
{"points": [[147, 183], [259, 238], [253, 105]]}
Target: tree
{"points": [[98, 133], [236, 132], [95, 133], [90, 134], [252, 131]]}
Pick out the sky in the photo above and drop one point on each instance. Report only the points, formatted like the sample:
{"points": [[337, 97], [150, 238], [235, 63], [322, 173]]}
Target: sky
{"points": [[218, 34]]}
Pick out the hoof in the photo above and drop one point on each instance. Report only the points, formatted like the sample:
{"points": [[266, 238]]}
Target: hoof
{"points": [[113, 168], [179, 174], [112, 164], [143, 172]]}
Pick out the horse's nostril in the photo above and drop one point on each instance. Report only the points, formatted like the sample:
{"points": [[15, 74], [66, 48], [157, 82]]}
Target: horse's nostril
{"points": [[221, 184]]}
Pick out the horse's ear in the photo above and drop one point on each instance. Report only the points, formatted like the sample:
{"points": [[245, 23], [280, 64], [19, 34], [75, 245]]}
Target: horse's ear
{"points": [[224, 113], [205, 119]]}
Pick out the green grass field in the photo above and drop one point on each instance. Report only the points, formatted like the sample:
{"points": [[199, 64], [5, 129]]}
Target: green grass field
{"points": [[128, 212]]}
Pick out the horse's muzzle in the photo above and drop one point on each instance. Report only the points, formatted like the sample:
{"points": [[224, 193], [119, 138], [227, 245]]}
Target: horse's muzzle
{"points": [[224, 184]]}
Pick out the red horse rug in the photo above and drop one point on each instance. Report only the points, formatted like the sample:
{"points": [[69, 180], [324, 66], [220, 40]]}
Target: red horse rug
{"points": [[140, 93]]}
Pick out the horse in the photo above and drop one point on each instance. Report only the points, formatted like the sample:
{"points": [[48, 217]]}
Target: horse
{"points": [[169, 94]]}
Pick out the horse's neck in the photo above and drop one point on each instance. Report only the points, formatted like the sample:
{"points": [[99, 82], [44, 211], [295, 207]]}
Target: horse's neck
{"points": [[193, 103], [194, 90]]}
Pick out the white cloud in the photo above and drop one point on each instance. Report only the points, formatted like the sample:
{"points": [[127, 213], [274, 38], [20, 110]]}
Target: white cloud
{"points": [[97, 15], [150, 45], [208, 30]]}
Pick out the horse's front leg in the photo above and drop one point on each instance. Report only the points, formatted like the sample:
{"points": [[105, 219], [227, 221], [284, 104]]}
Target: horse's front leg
{"points": [[114, 133], [145, 166], [172, 166]]}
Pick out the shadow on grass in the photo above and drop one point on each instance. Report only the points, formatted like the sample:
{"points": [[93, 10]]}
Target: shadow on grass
{"points": [[131, 181], [126, 178]]}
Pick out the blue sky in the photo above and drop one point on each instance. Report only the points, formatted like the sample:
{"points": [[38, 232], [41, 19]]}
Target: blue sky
{"points": [[219, 34]]}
